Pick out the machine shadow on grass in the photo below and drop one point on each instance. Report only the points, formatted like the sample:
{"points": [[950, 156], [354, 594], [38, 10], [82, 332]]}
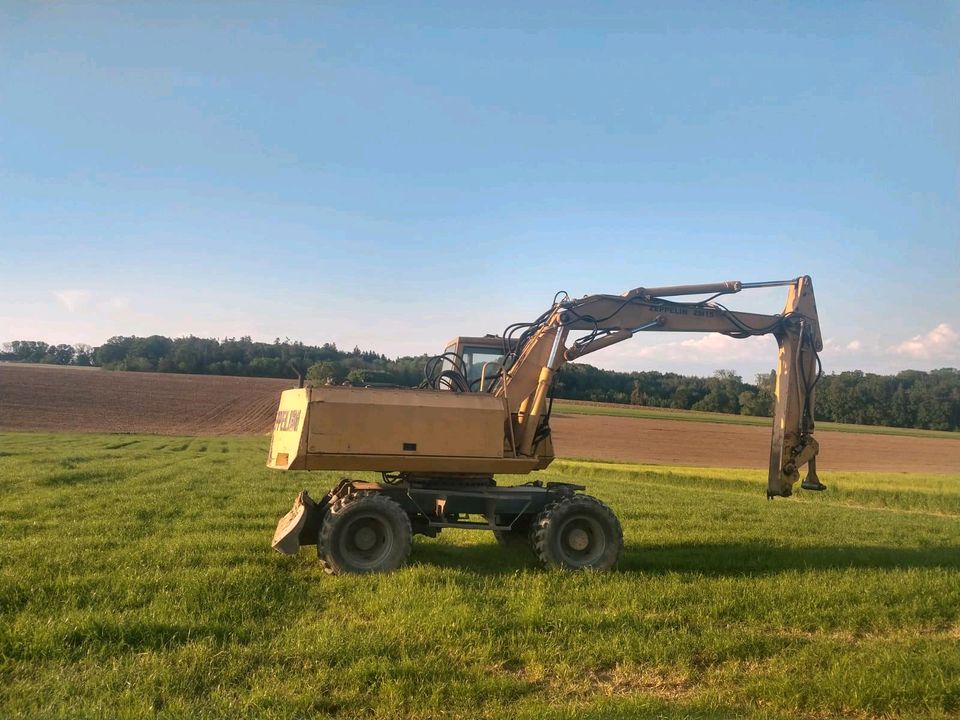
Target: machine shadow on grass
{"points": [[716, 559]]}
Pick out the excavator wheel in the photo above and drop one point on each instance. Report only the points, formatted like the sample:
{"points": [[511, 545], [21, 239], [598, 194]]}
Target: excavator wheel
{"points": [[364, 533], [578, 532]]}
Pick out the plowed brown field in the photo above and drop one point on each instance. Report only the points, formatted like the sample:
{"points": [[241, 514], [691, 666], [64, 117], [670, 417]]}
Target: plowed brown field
{"points": [[57, 399]]}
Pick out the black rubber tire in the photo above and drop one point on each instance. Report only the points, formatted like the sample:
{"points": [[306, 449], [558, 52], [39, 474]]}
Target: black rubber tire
{"points": [[574, 520], [356, 520]]}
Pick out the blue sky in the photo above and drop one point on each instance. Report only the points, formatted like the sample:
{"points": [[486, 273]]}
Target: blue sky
{"points": [[392, 175]]}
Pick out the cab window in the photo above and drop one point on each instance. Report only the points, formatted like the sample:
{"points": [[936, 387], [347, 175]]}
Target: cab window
{"points": [[448, 359], [474, 359]]}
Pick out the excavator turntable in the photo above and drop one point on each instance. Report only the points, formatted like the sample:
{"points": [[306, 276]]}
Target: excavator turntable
{"points": [[483, 412]]}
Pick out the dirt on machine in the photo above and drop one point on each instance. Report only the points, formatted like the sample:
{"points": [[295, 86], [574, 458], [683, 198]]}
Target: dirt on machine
{"points": [[483, 412]]}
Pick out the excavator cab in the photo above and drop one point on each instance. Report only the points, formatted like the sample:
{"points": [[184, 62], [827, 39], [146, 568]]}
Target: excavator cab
{"points": [[478, 359]]}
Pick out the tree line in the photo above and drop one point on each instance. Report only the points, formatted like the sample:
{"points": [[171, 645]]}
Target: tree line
{"points": [[912, 398], [230, 356]]}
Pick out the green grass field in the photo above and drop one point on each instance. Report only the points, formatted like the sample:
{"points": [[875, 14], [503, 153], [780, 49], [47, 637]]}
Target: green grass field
{"points": [[652, 413], [136, 580]]}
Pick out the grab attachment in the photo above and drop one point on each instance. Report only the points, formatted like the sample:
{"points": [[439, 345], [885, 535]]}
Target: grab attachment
{"points": [[811, 481]]}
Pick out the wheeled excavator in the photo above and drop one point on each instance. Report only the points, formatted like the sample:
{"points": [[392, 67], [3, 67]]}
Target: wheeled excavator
{"points": [[483, 412]]}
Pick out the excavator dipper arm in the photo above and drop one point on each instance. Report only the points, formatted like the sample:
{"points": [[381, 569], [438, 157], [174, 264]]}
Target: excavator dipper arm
{"points": [[609, 319]]}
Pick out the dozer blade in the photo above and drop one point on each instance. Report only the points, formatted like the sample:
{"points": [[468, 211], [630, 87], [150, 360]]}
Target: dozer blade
{"points": [[286, 538]]}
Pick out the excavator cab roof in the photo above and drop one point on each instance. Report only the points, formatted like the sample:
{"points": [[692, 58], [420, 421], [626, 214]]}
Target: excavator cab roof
{"points": [[485, 341]]}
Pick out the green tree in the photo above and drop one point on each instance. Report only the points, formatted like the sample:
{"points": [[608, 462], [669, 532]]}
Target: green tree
{"points": [[84, 355], [59, 354], [725, 388], [29, 350], [326, 372], [759, 400]]}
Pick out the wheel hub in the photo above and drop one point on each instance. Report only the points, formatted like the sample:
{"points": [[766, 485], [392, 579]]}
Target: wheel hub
{"points": [[365, 538], [578, 539]]}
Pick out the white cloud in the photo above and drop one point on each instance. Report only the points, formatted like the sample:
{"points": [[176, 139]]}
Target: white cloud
{"points": [[712, 350], [835, 347], [76, 300], [831, 346], [941, 342], [72, 300], [116, 304], [718, 348]]}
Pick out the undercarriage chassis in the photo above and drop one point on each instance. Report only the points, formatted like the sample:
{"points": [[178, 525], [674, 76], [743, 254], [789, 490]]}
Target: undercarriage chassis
{"points": [[430, 504], [367, 527]]}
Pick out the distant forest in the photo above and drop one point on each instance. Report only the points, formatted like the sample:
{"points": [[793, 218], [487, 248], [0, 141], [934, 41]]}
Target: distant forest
{"points": [[912, 398]]}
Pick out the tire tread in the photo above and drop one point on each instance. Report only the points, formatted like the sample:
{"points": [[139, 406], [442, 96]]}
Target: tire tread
{"points": [[343, 503], [541, 530]]}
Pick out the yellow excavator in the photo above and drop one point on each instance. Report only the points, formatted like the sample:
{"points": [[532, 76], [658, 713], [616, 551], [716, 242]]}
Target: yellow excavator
{"points": [[484, 411]]}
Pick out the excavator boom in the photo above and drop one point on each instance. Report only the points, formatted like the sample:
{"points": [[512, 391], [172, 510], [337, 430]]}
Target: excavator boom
{"points": [[610, 319]]}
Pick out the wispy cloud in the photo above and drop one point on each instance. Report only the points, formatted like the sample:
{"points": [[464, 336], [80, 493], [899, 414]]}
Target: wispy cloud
{"points": [[941, 342], [116, 304], [76, 300], [72, 300], [717, 349], [834, 347]]}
